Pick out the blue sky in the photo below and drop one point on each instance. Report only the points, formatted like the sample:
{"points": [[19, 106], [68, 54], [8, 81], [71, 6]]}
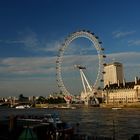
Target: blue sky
{"points": [[31, 32]]}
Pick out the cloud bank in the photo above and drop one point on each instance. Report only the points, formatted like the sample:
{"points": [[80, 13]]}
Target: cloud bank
{"points": [[134, 42], [121, 34], [28, 75]]}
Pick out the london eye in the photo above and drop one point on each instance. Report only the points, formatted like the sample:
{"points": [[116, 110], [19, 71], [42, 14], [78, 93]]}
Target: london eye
{"points": [[96, 43]]}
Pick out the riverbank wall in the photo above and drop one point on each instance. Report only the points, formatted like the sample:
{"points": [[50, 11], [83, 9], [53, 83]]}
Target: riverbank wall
{"points": [[128, 105]]}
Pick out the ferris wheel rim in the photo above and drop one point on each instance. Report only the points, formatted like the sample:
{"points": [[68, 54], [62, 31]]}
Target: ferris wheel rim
{"points": [[96, 44]]}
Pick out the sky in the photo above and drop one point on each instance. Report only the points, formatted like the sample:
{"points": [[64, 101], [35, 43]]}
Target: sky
{"points": [[32, 31]]}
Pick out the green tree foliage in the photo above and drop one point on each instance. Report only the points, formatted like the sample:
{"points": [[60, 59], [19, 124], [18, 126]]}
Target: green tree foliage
{"points": [[41, 100], [21, 98], [57, 100]]}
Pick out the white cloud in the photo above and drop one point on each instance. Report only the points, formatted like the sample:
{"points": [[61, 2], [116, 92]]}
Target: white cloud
{"points": [[134, 43], [38, 65], [130, 61], [32, 42], [12, 41], [125, 56], [120, 34], [28, 38], [52, 46], [46, 65], [34, 74]]}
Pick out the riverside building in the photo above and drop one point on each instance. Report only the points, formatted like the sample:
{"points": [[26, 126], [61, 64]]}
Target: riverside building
{"points": [[113, 74], [116, 90]]}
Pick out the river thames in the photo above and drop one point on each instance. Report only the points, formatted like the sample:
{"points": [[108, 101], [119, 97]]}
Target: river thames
{"points": [[93, 121]]}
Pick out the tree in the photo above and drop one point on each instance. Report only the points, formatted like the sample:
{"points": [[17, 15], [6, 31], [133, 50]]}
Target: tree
{"points": [[22, 98], [41, 99]]}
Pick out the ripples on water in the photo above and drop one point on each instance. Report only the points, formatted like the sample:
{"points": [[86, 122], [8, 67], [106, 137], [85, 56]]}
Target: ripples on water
{"points": [[93, 121]]}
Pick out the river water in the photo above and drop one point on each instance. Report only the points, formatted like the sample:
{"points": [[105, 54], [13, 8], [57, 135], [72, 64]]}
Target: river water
{"points": [[93, 121]]}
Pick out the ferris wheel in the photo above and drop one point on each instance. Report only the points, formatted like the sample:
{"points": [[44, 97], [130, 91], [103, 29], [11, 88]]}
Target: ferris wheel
{"points": [[96, 43]]}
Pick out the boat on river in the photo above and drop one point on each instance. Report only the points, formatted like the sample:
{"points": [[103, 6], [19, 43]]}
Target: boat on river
{"points": [[47, 120], [116, 108], [45, 126], [22, 106]]}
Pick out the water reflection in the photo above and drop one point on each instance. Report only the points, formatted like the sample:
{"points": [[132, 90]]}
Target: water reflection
{"points": [[93, 121]]}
